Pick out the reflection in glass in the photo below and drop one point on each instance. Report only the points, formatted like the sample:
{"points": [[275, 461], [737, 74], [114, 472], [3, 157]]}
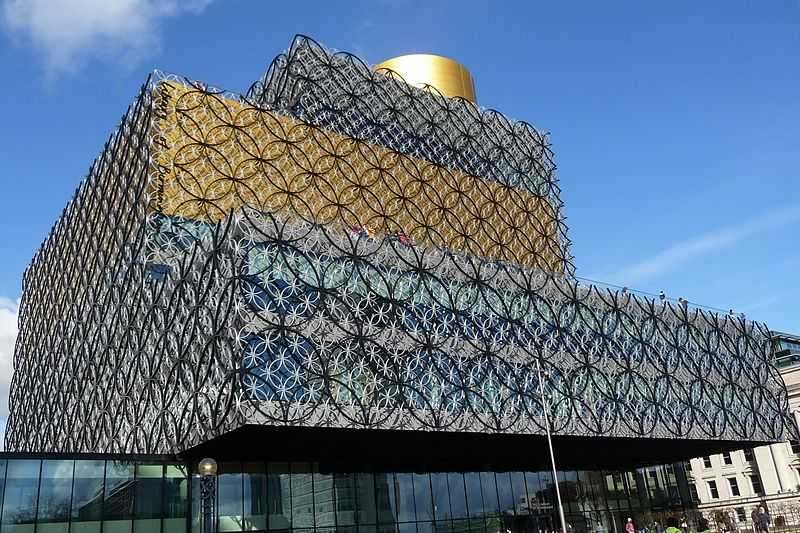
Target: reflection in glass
{"points": [[255, 497], [21, 493], [118, 497], [568, 484], [345, 488], [324, 511], [175, 499], [365, 498], [279, 506], [637, 499], [548, 488], [593, 490], [76, 496], [196, 520], [2, 480], [505, 493], [385, 500], [404, 495], [491, 506], [472, 480], [615, 490], [441, 496], [422, 497], [408, 527], [229, 497], [534, 496], [302, 484], [55, 493], [672, 485], [147, 498], [475, 504], [386, 528], [458, 498], [87, 496]]}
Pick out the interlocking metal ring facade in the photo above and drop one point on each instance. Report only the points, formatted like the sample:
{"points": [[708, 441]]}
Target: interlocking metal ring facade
{"points": [[340, 249]]}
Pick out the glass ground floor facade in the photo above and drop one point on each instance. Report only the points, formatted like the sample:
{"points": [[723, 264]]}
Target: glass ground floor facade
{"points": [[117, 494]]}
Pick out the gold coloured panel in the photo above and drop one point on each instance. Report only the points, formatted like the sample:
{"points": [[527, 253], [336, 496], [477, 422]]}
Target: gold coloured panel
{"points": [[449, 77], [217, 155]]}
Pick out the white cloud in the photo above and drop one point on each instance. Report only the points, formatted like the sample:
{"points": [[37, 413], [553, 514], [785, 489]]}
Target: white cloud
{"points": [[69, 32], [680, 253], [8, 335]]}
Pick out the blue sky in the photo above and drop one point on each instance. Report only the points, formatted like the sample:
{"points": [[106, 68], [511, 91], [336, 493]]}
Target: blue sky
{"points": [[676, 125]]}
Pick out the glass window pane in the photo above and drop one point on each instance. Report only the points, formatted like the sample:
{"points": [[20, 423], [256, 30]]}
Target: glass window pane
{"points": [[408, 527], [519, 493], [148, 498], [147, 525], [176, 495], [324, 509], [474, 498], [21, 493], [489, 493], [532, 487], [345, 487], [441, 495], [635, 499], [615, 490], [475, 525], [404, 496], [505, 493], [119, 492], [196, 509], [568, 484], [302, 495], [462, 526], [593, 485], [536, 497], [55, 494], [87, 496], [365, 498], [2, 480], [458, 498], [229, 497], [255, 497], [422, 497], [279, 502], [117, 526], [385, 499], [547, 488]]}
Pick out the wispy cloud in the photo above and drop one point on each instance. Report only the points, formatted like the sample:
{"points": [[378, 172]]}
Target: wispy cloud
{"points": [[9, 309], [680, 253], [68, 33]]}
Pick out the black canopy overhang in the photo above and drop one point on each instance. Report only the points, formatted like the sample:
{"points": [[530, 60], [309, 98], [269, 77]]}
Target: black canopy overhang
{"points": [[372, 449]]}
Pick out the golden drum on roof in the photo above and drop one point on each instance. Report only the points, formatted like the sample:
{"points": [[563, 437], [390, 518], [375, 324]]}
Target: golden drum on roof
{"points": [[448, 76]]}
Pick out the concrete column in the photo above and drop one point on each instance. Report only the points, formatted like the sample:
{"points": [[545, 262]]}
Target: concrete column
{"points": [[767, 469], [783, 459]]}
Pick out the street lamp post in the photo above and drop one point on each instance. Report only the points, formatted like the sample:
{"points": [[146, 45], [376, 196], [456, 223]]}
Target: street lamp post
{"points": [[545, 408], [207, 468]]}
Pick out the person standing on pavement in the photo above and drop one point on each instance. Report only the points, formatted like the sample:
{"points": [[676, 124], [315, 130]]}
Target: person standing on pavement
{"points": [[629, 527], [763, 520], [672, 525]]}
